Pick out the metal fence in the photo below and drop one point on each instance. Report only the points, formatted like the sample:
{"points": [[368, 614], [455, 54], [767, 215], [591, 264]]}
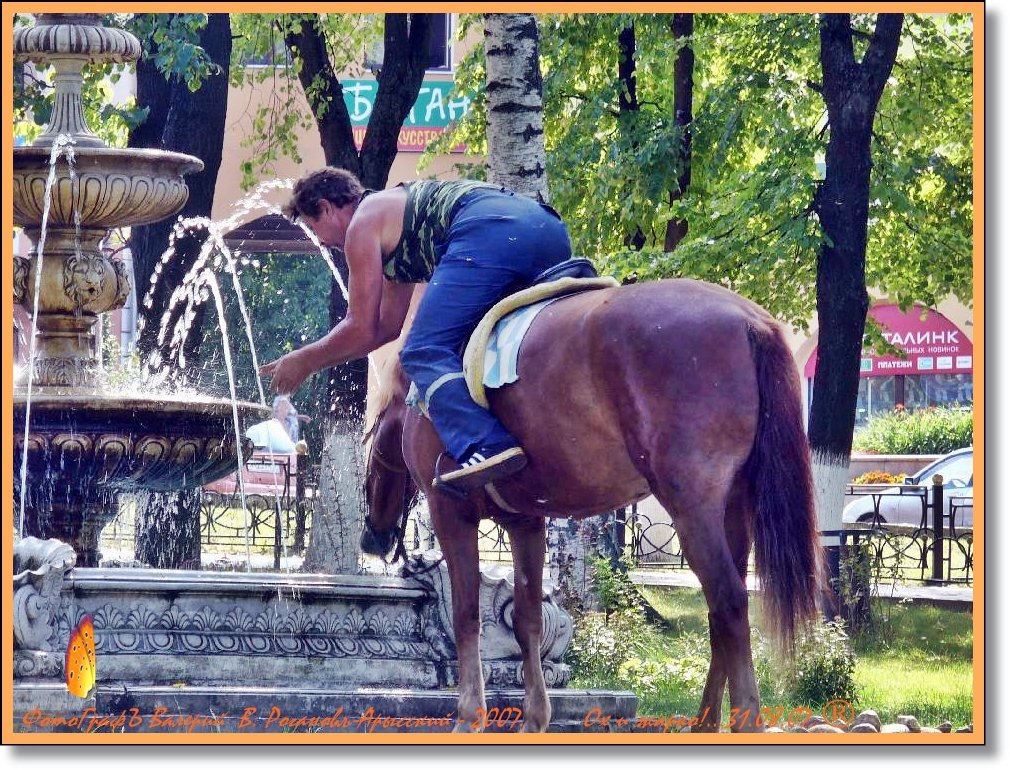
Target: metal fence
{"points": [[934, 550]]}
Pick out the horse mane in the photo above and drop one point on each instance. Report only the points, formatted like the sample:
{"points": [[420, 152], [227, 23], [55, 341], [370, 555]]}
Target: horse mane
{"points": [[391, 383], [390, 387]]}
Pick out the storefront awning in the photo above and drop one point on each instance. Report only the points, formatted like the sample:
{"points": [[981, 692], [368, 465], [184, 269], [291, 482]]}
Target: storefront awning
{"points": [[933, 344]]}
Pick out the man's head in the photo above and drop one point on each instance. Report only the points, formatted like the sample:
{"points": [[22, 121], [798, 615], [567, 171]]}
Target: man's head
{"points": [[324, 200]]}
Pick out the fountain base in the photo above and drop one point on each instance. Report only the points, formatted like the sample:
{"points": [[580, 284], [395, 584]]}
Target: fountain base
{"points": [[218, 647]]}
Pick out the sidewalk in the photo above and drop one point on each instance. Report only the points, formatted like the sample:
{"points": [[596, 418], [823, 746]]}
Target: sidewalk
{"points": [[957, 597]]}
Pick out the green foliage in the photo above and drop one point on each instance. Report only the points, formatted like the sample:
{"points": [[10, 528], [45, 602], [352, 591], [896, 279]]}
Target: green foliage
{"points": [[917, 661], [607, 646], [172, 40], [604, 643], [758, 137], [824, 666], [934, 430], [470, 129], [612, 585], [262, 61]]}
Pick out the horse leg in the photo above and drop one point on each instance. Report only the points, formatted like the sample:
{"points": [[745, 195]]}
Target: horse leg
{"points": [[738, 537], [457, 534], [704, 538], [527, 537]]}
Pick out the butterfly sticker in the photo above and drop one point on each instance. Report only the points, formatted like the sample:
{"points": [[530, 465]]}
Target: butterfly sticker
{"points": [[80, 662]]}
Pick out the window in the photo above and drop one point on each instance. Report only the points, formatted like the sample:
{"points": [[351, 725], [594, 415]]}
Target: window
{"points": [[913, 391], [439, 50]]}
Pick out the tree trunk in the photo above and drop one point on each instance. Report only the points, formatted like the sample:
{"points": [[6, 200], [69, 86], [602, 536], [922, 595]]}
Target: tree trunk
{"points": [[192, 122], [851, 91], [333, 541], [167, 529], [627, 103], [339, 508], [515, 109], [683, 109]]}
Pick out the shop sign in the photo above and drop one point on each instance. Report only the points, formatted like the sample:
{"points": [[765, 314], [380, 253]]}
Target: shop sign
{"points": [[431, 114], [930, 342]]}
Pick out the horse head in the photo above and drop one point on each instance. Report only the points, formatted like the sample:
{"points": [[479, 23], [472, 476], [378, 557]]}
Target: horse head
{"points": [[389, 490]]}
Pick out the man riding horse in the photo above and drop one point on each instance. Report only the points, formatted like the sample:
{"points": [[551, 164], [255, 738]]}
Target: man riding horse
{"points": [[473, 243]]}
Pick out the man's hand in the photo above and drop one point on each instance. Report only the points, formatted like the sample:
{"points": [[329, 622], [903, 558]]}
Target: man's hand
{"points": [[286, 373]]}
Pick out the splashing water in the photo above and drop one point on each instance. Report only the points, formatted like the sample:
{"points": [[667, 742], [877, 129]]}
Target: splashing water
{"points": [[64, 145], [325, 252], [214, 253], [209, 280]]}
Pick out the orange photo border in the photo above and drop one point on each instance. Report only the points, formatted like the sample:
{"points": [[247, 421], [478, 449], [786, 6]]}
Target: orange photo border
{"points": [[977, 9]]}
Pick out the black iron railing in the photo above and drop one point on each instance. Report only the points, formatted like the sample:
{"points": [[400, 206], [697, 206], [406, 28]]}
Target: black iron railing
{"points": [[937, 549]]}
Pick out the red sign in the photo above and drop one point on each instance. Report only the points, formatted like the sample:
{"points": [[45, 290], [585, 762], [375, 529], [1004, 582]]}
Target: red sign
{"points": [[932, 344], [410, 139]]}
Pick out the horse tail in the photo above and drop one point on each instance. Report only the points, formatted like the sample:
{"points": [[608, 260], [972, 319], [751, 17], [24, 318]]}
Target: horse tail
{"points": [[786, 541]]}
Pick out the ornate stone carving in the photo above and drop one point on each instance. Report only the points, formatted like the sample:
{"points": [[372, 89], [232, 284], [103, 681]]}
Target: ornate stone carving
{"points": [[39, 570], [22, 267], [84, 279], [499, 648], [368, 633], [123, 283], [72, 372]]}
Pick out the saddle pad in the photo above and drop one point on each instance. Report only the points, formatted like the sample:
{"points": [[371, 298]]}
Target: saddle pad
{"points": [[492, 354]]}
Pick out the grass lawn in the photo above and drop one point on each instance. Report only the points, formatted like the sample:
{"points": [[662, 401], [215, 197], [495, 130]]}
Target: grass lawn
{"points": [[917, 660]]}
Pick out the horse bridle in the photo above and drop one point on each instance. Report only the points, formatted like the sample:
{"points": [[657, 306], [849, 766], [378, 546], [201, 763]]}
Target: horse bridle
{"points": [[400, 551]]}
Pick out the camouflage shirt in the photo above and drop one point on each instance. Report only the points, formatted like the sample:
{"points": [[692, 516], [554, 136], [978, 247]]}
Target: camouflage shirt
{"points": [[426, 221]]}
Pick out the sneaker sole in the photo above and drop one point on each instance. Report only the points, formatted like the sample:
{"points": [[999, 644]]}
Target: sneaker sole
{"points": [[503, 464]]}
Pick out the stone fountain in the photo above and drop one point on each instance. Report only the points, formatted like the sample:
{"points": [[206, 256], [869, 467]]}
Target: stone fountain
{"points": [[183, 651], [85, 446]]}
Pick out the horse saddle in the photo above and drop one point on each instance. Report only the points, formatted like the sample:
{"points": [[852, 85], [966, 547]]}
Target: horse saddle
{"points": [[491, 357], [492, 354]]}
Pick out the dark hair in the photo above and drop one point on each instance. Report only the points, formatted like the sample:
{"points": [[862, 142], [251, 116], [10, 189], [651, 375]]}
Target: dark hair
{"points": [[335, 185]]}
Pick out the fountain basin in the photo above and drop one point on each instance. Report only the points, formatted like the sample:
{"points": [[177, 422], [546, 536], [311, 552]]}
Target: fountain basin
{"points": [[84, 449], [113, 187], [125, 443]]}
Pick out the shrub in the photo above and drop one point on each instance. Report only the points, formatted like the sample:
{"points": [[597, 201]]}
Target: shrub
{"points": [[935, 430], [824, 665], [602, 644]]}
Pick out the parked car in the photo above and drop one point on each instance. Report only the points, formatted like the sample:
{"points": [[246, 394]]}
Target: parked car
{"points": [[903, 504]]}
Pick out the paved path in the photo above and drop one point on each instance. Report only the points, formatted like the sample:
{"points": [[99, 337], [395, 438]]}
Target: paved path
{"points": [[958, 597]]}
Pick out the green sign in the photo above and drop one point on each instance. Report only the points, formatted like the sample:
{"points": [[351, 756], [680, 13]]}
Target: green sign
{"points": [[432, 112]]}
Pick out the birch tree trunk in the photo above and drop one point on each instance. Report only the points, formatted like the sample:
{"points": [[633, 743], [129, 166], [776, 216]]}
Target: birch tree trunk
{"points": [[515, 108]]}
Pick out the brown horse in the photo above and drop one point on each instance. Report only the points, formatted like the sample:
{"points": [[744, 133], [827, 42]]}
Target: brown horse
{"points": [[676, 388]]}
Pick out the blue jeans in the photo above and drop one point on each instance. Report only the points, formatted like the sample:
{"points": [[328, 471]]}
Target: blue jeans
{"points": [[497, 243]]}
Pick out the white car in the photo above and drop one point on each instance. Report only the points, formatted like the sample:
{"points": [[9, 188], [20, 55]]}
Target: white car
{"points": [[903, 504]]}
